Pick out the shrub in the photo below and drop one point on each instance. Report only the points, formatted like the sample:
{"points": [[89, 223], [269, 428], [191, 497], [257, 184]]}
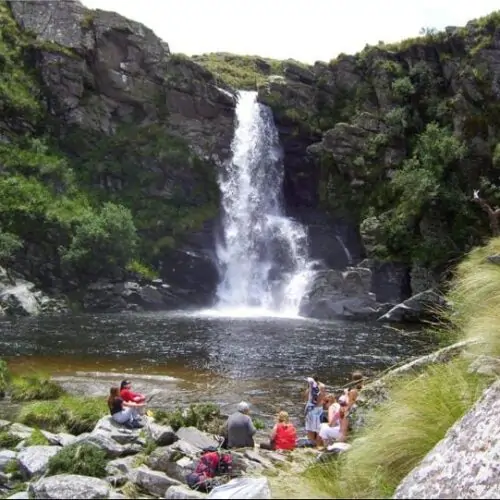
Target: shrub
{"points": [[72, 414], [400, 432], [34, 387], [5, 377], [84, 459], [204, 416], [8, 440]]}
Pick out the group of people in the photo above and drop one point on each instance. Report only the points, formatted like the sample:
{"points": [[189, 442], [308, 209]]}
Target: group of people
{"points": [[327, 419], [126, 406], [327, 416]]}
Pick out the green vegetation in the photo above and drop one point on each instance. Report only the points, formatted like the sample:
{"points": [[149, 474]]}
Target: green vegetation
{"points": [[75, 415], [37, 439], [84, 459], [8, 440], [204, 416], [414, 168], [34, 387], [240, 72], [5, 377], [475, 292]]}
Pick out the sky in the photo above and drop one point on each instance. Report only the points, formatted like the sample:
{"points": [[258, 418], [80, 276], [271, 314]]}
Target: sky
{"points": [[305, 30]]}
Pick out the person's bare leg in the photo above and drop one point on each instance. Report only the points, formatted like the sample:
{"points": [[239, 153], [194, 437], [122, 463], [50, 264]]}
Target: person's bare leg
{"points": [[311, 436]]}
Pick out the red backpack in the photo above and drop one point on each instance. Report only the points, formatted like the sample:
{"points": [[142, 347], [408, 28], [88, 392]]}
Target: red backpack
{"points": [[210, 465]]}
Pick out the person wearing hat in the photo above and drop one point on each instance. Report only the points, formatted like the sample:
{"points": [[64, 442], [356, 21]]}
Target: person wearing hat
{"points": [[129, 396], [239, 428]]}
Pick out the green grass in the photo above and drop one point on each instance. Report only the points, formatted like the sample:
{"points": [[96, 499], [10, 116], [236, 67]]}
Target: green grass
{"points": [[8, 440], [239, 72], [400, 432], [204, 416], [34, 387], [37, 439], [71, 414], [475, 294], [83, 459]]}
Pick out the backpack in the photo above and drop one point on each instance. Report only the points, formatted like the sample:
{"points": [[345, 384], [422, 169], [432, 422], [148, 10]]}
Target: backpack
{"points": [[314, 393], [210, 465]]}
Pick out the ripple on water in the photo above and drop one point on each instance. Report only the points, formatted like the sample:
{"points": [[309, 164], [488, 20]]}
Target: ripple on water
{"points": [[261, 359]]}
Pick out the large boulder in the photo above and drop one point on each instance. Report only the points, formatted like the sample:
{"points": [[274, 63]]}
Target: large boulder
{"points": [[70, 486], [464, 464], [34, 460], [341, 294], [425, 306]]}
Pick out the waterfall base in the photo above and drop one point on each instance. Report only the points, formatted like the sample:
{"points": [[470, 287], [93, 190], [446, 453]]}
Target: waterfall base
{"points": [[246, 312]]}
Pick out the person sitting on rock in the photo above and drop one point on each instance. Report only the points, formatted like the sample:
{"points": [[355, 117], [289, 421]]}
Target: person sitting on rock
{"points": [[129, 396], [123, 412], [337, 426], [283, 435], [239, 428]]}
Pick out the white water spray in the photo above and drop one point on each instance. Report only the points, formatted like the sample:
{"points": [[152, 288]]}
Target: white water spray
{"points": [[263, 256]]}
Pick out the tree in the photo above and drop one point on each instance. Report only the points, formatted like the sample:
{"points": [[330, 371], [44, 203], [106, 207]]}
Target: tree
{"points": [[9, 244], [103, 243]]}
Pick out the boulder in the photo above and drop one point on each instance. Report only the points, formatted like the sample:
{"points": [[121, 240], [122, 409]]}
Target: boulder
{"points": [[70, 486], [183, 493], [20, 431], [162, 435], [108, 428], [424, 306], [5, 457], [341, 294], [34, 460], [196, 438], [109, 446], [243, 487], [464, 464], [153, 482]]}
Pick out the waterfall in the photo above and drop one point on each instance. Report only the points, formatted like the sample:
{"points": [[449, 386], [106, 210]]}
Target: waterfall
{"points": [[262, 254]]}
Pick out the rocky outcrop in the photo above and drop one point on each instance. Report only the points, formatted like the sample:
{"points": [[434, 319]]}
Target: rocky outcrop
{"points": [[464, 464], [424, 306], [19, 297], [350, 126], [342, 295], [139, 126]]}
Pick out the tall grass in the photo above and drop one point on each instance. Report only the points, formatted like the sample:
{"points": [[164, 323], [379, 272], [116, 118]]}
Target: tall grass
{"points": [[400, 432], [475, 294]]}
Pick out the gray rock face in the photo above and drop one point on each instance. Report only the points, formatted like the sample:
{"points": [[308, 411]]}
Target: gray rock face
{"points": [[154, 482], [33, 461], [196, 438], [183, 493], [465, 464], [5, 457], [162, 435], [420, 307], [341, 294], [70, 486]]}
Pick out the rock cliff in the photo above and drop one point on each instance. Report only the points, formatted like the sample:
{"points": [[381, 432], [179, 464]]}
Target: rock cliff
{"points": [[396, 138], [104, 109]]}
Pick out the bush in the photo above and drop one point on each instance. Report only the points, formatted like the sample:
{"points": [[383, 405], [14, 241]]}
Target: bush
{"points": [[204, 416], [71, 414], [400, 432], [8, 440], [34, 387], [83, 459], [5, 377]]}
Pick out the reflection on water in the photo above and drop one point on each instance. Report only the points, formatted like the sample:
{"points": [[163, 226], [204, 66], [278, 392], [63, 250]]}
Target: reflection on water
{"points": [[230, 358]]}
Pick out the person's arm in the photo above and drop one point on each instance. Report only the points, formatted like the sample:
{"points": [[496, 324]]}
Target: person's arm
{"points": [[344, 426], [331, 415], [273, 432], [132, 404], [251, 428]]}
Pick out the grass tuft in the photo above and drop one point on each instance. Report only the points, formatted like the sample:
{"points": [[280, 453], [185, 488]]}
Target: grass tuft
{"points": [[71, 414], [34, 387], [84, 459]]}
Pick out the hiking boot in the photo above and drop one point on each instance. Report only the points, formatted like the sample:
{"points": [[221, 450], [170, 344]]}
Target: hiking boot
{"points": [[136, 424]]}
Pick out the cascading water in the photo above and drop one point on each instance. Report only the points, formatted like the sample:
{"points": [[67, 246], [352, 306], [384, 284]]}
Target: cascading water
{"points": [[263, 256]]}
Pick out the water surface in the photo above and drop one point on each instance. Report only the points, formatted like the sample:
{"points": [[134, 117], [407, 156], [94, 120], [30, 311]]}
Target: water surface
{"points": [[198, 357]]}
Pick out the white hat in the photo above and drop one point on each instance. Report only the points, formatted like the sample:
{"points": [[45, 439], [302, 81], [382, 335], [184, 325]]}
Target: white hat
{"points": [[243, 407]]}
